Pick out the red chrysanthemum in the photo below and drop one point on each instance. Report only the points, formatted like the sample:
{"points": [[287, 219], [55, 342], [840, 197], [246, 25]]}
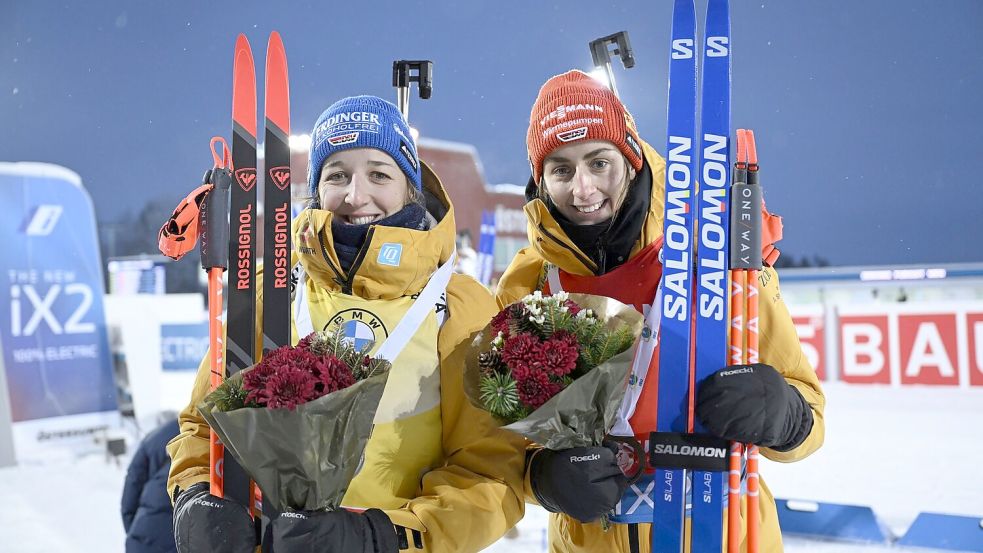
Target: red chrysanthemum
{"points": [[560, 353], [254, 381], [332, 375], [520, 353], [305, 342], [500, 322], [289, 388], [536, 389], [572, 307]]}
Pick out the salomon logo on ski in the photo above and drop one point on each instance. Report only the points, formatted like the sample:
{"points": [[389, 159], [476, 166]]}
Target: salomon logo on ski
{"points": [[689, 451], [676, 292]]}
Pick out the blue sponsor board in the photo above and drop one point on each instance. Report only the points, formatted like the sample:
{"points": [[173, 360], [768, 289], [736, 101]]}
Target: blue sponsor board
{"points": [[53, 328], [183, 346]]}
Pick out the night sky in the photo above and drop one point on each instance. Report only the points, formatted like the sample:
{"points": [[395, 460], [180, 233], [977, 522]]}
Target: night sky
{"points": [[867, 114]]}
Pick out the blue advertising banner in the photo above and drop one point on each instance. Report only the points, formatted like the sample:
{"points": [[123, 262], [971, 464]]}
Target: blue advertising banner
{"points": [[183, 346], [53, 329]]}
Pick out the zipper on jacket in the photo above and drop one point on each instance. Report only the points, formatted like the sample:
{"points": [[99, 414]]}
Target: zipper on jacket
{"points": [[339, 275], [346, 287], [580, 257]]}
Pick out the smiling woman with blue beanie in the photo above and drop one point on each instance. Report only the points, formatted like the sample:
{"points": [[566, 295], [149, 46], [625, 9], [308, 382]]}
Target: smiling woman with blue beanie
{"points": [[375, 247]]}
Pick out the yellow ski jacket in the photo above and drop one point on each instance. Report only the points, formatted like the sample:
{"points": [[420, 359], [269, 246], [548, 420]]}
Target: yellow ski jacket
{"points": [[434, 463], [779, 347]]}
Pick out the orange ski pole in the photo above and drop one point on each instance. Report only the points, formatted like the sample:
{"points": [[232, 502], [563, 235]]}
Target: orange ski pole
{"points": [[736, 355], [753, 513], [215, 260]]}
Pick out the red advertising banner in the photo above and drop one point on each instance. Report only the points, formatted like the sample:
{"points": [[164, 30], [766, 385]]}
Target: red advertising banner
{"points": [[925, 344], [974, 328], [928, 349], [864, 353]]}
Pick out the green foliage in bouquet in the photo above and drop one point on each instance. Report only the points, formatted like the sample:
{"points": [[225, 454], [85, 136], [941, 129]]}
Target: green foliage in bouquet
{"points": [[543, 343]]}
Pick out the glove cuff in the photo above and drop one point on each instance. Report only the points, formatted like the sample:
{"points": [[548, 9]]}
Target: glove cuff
{"points": [[538, 481], [801, 425], [383, 531]]}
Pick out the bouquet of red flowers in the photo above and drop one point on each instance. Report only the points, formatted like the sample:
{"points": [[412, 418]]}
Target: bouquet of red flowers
{"points": [[299, 420], [555, 368]]}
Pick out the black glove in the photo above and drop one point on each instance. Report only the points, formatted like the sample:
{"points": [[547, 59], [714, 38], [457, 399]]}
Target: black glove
{"points": [[205, 523], [583, 482], [754, 404], [338, 531]]}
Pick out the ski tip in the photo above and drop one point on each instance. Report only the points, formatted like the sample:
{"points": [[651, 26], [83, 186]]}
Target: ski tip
{"points": [[275, 51], [277, 87], [242, 42], [243, 50], [244, 86]]}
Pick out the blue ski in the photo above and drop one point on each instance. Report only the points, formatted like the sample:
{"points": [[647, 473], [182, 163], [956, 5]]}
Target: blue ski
{"points": [[711, 321], [677, 274]]}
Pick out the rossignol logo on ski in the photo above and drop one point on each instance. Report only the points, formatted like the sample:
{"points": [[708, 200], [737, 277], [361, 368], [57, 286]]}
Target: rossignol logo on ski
{"points": [[244, 245], [571, 135], [280, 176], [246, 178], [342, 139], [281, 249]]}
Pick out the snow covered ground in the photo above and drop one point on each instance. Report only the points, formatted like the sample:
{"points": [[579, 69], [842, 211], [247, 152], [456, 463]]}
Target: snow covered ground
{"points": [[901, 451]]}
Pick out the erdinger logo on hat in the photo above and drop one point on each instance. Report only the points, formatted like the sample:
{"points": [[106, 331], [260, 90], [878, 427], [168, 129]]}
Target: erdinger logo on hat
{"points": [[350, 121]]}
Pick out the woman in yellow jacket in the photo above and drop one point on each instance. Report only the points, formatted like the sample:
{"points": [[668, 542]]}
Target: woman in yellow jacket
{"points": [[377, 243], [595, 216]]}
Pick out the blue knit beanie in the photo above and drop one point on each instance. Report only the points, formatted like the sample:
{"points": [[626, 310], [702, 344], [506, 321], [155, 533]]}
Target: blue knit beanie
{"points": [[363, 122]]}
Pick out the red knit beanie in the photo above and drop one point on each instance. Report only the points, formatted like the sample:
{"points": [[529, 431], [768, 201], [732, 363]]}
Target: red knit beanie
{"points": [[575, 106]]}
